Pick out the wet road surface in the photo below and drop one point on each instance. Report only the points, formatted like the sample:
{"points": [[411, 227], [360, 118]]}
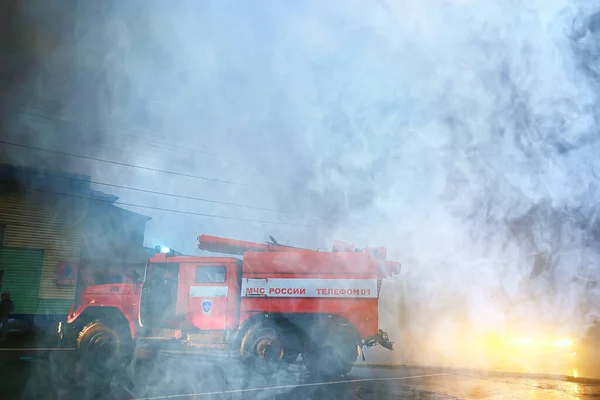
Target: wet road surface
{"points": [[55, 375]]}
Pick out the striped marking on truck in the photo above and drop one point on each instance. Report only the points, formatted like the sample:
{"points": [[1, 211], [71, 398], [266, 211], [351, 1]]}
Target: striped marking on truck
{"points": [[322, 288]]}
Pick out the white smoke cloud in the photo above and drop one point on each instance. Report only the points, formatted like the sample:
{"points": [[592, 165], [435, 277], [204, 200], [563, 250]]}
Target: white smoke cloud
{"points": [[425, 126]]}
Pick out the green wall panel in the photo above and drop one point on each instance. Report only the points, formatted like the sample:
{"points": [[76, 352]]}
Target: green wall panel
{"points": [[22, 271]]}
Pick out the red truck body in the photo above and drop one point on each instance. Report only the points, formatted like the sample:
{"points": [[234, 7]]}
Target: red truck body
{"points": [[224, 296]]}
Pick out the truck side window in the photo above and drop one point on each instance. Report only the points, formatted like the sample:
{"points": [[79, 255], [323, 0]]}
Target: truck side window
{"points": [[210, 274]]}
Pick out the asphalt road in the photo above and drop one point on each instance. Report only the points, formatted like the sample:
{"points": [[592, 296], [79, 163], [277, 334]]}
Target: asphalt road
{"points": [[55, 375]]}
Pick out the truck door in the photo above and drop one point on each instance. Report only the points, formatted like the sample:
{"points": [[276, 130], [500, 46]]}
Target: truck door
{"points": [[159, 308], [205, 295]]}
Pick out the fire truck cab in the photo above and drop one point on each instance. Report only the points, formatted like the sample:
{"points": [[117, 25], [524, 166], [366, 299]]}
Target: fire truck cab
{"points": [[267, 307]]}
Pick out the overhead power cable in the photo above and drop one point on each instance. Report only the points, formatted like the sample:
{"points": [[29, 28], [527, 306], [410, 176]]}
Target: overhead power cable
{"points": [[166, 194], [145, 141], [113, 149], [179, 196], [37, 108], [177, 211], [64, 153]]}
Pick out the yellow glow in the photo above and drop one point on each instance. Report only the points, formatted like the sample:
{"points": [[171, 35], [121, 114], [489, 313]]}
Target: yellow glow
{"points": [[562, 343], [575, 373], [574, 354], [522, 341]]}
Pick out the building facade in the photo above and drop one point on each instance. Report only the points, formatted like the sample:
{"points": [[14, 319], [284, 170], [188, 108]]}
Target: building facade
{"points": [[53, 227], [41, 217]]}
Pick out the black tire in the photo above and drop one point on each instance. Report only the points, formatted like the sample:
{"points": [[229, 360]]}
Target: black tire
{"points": [[261, 348], [290, 357], [333, 351], [101, 346]]}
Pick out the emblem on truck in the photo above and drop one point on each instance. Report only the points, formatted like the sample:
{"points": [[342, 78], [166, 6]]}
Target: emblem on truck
{"points": [[207, 306]]}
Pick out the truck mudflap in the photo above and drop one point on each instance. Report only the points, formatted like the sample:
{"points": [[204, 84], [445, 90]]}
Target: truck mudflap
{"points": [[382, 339]]}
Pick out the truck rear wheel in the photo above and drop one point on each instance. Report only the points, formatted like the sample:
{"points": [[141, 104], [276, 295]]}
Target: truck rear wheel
{"points": [[261, 348], [334, 353], [331, 361], [99, 345]]}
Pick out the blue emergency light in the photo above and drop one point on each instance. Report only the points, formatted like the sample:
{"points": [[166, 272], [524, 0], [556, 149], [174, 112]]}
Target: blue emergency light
{"points": [[162, 249]]}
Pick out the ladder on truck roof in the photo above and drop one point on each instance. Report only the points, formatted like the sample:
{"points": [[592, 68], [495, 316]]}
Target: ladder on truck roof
{"points": [[222, 245]]}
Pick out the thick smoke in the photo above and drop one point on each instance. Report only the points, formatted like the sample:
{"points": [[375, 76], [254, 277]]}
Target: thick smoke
{"points": [[460, 134]]}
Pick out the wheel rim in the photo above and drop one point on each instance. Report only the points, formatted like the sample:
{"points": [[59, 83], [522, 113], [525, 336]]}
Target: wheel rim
{"points": [[266, 346], [104, 345]]}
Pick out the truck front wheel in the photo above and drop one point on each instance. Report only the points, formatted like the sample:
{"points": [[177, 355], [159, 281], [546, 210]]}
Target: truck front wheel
{"points": [[290, 357], [100, 345]]}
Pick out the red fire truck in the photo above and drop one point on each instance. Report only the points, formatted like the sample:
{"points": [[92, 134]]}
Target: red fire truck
{"points": [[275, 303]]}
